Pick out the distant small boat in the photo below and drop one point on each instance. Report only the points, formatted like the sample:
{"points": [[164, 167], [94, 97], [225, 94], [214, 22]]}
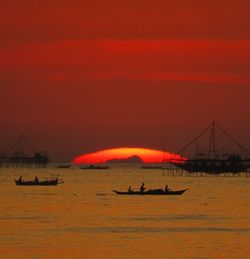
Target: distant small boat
{"points": [[95, 167], [151, 167], [64, 166], [49, 182], [151, 192]]}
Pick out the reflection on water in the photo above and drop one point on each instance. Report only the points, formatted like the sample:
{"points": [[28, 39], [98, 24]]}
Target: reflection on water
{"points": [[82, 218], [117, 229]]}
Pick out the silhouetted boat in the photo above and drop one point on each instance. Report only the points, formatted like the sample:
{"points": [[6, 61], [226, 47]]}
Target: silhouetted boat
{"points": [[95, 167], [49, 182], [151, 192], [63, 166], [213, 161], [151, 167]]}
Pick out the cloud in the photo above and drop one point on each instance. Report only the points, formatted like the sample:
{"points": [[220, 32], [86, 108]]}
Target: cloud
{"points": [[210, 61]]}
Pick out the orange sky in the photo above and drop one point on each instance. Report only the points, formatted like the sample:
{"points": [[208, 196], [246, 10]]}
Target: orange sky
{"points": [[78, 77]]}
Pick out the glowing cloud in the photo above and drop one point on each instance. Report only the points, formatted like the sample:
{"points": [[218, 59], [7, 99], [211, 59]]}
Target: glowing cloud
{"points": [[147, 155]]}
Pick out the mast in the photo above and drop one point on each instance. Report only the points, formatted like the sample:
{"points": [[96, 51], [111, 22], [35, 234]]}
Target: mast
{"points": [[163, 159], [212, 146]]}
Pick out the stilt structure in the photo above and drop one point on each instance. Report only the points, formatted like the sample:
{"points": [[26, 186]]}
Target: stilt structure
{"points": [[24, 154], [214, 161]]}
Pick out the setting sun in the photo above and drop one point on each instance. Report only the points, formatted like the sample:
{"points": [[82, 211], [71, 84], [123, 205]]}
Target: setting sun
{"points": [[147, 155]]}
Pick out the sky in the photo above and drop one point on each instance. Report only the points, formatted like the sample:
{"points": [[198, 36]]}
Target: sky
{"points": [[81, 76]]}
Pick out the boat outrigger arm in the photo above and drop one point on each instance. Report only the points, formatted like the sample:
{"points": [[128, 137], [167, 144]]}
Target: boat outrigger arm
{"points": [[151, 192]]}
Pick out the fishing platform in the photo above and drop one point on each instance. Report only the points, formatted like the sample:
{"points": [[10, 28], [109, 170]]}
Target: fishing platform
{"points": [[24, 154], [212, 159]]}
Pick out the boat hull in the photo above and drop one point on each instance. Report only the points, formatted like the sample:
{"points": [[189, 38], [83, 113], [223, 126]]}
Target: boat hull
{"points": [[151, 192], [94, 168], [40, 183]]}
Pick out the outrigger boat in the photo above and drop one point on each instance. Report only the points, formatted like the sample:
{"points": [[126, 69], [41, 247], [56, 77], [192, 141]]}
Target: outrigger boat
{"points": [[49, 182], [95, 167], [151, 192]]}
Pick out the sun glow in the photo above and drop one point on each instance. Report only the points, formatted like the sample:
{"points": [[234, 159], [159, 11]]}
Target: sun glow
{"points": [[147, 155]]}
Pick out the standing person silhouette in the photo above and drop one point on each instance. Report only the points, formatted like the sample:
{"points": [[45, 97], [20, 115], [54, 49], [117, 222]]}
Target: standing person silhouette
{"points": [[142, 189]]}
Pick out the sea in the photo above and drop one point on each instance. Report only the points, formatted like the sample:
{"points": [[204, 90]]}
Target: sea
{"points": [[83, 218]]}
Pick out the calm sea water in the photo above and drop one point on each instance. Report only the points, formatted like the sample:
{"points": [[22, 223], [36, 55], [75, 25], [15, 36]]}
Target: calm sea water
{"points": [[82, 218]]}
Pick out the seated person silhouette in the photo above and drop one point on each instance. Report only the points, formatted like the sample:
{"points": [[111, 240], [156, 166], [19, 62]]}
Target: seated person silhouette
{"points": [[142, 189]]}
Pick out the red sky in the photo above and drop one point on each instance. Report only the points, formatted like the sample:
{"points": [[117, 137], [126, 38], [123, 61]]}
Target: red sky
{"points": [[77, 77]]}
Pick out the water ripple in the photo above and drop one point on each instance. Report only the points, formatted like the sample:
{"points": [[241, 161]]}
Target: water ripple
{"points": [[155, 230]]}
